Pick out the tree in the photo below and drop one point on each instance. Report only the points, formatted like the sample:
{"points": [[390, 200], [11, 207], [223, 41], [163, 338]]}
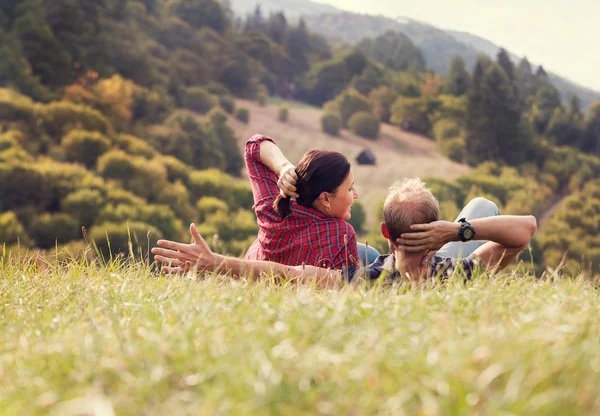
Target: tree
{"points": [[575, 114], [395, 50], [48, 60], [381, 101], [201, 13], [546, 101], [562, 131], [508, 68], [525, 81], [591, 139], [298, 47], [474, 122], [457, 78], [493, 118], [277, 28], [255, 21]]}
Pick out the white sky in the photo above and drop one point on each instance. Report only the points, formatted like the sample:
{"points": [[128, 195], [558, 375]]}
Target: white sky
{"points": [[561, 35]]}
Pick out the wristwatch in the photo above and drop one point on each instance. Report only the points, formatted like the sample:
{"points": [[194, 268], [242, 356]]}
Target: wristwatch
{"points": [[467, 232]]}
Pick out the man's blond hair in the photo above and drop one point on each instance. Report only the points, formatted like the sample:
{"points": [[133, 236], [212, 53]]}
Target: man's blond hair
{"points": [[409, 202]]}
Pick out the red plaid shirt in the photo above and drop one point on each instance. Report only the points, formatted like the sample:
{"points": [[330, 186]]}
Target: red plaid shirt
{"points": [[306, 235]]}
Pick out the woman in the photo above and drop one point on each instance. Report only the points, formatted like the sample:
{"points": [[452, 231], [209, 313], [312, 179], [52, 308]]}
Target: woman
{"points": [[312, 229]]}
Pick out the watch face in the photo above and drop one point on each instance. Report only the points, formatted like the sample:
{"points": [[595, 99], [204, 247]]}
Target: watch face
{"points": [[468, 234]]}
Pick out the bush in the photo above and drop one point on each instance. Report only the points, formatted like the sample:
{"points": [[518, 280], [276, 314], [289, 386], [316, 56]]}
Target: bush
{"points": [[227, 103], [446, 129], [217, 89], [135, 146], [16, 107], [117, 196], [331, 123], [22, 185], [12, 231], [358, 217], [113, 238], [48, 229], [213, 182], [454, 148], [413, 114], [282, 114], [198, 99], [208, 206], [242, 114], [177, 197], [176, 169], [60, 117], [382, 99], [85, 147], [83, 205], [151, 106], [365, 125], [145, 178], [262, 95], [348, 103]]}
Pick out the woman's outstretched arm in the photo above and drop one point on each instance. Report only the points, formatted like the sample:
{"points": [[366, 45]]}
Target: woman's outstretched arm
{"points": [[180, 258]]}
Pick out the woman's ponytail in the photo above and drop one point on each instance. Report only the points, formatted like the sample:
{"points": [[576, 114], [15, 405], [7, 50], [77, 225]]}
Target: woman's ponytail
{"points": [[282, 206]]}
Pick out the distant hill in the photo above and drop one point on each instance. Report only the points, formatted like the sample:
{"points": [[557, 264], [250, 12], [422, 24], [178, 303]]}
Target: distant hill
{"points": [[293, 8], [438, 46], [563, 85]]}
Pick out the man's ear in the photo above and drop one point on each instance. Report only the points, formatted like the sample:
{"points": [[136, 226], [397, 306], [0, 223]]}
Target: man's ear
{"points": [[384, 231]]}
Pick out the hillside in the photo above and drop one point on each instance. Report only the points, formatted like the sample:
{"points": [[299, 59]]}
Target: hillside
{"points": [[399, 154], [293, 8], [563, 85], [438, 46]]}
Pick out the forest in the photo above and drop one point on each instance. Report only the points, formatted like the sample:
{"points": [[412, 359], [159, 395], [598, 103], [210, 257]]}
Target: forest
{"points": [[114, 122]]}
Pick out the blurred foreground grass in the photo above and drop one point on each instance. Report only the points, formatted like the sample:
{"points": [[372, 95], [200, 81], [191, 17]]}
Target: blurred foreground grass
{"points": [[118, 339]]}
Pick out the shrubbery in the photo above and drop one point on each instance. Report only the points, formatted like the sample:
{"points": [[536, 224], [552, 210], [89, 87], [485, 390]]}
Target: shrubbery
{"points": [[198, 99], [347, 104], [364, 124], [49, 229], [83, 205], [283, 114], [227, 103], [242, 114], [331, 123], [85, 147], [60, 117], [12, 231]]}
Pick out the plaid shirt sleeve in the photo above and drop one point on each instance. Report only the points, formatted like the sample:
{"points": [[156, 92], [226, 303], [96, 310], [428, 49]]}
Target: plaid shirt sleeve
{"points": [[262, 179], [347, 255]]}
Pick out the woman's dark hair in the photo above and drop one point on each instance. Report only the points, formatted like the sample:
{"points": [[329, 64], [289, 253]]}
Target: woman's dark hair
{"points": [[318, 171]]}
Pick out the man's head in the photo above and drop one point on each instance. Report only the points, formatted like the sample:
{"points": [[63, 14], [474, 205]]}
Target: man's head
{"points": [[408, 202]]}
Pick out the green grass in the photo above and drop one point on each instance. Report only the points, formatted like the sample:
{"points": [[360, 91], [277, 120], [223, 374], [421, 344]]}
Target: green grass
{"points": [[81, 338], [290, 104]]}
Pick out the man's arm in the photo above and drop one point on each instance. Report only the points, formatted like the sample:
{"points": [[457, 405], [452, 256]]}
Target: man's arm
{"points": [[508, 235]]}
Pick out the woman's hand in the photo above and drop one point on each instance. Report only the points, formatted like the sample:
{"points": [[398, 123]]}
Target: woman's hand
{"points": [[179, 258], [287, 181], [430, 236]]}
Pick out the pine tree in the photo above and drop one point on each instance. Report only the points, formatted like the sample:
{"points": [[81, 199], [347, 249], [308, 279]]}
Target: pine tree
{"points": [[474, 122], [49, 62], [457, 79], [591, 140], [525, 81]]}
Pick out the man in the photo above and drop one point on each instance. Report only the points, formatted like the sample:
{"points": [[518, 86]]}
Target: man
{"points": [[414, 232]]}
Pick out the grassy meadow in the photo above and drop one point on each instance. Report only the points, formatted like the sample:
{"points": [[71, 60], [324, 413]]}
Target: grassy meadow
{"points": [[83, 338]]}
